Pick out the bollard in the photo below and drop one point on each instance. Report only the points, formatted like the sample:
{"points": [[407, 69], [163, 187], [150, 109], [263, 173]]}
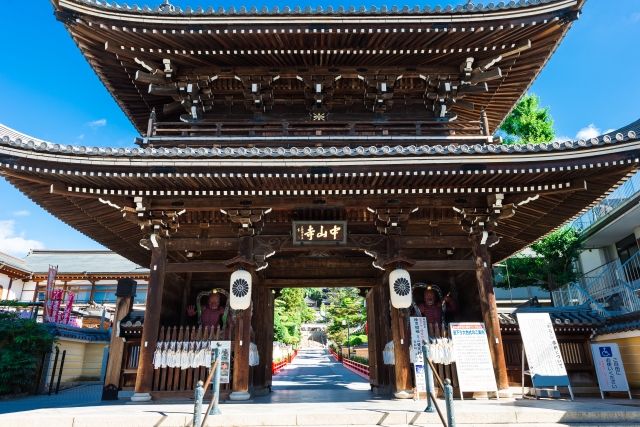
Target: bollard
{"points": [[427, 377], [216, 385], [197, 404], [448, 399], [64, 353], [53, 371]]}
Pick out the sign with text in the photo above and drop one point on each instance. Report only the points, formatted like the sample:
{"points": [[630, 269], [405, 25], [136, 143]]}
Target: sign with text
{"points": [[473, 359], [225, 359], [319, 232], [542, 349], [608, 362], [419, 332]]}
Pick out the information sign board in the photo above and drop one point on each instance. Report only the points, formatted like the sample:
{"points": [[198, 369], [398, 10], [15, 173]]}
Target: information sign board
{"points": [[419, 333], [225, 359], [608, 362], [543, 351], [473, 359]]}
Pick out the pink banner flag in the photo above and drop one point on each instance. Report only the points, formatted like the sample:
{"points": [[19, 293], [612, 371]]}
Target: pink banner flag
{"points": [[67, 310], [55, 305]]}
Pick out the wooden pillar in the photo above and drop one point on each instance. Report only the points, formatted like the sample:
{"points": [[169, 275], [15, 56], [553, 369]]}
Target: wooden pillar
{"points": [[404, 383], [124, 305], [379, 321], [93, 290], [240, 388], [151, 326], [262, 322], [485, 123], [489, 310]]}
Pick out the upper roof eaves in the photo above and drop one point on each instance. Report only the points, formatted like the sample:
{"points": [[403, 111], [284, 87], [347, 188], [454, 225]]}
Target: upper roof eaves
{"points": [[12, 138], [169, 10]]}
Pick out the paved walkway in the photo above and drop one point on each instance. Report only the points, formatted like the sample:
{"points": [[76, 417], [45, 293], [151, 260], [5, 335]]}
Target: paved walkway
{"points": [[313, 390], [315, 376]]}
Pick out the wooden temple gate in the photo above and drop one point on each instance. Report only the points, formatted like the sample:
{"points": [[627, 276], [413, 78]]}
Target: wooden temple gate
{"points": [[257, 125]]}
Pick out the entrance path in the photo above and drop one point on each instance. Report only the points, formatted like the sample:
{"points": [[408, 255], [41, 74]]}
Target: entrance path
{"points": [[314, 376]]}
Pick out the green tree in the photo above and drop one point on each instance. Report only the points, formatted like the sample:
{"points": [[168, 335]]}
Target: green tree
{"points": [[528, 123], [314, 294], [552, 265], [345, 304], [290, 312], [22, 342]]}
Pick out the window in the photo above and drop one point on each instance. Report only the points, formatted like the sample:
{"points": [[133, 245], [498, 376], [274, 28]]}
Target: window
{"points": [[627, 248]]}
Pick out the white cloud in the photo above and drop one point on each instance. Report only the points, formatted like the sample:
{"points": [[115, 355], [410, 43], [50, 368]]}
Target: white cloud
{"points": [[589, 132], [608, 131], [21, 213], [15, 245], [562, 138], [81, 136], [97, 123]]}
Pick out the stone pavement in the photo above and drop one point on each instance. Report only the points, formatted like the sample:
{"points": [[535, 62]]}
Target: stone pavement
{"points": [[317, 391]]}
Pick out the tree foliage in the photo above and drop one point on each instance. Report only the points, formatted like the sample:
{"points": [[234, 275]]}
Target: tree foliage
{"points": [[290, 312], [345, 304], [528, 123], [552, 265], [22, 342]]}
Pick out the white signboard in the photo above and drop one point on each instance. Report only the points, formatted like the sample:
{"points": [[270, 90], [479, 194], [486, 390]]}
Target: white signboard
{"points": [[473, 359], [608, 362], [419, 332], [543, 351], [225, 359]]}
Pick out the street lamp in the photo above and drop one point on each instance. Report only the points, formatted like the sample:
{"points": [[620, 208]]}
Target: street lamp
{"points": [[346, 323], [506, 265]]}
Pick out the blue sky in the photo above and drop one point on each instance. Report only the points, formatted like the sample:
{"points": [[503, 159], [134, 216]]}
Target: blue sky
{"points": [[49, 91]]}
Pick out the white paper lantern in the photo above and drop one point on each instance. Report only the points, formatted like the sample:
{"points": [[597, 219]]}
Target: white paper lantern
{"points": [[400, 285], [240, 290]]}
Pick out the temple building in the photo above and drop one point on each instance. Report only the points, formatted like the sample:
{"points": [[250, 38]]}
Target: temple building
{"points": [[311, 148]]}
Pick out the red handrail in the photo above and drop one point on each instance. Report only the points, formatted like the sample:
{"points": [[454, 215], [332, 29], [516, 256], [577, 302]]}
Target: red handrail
{"points": [[358, 368]]}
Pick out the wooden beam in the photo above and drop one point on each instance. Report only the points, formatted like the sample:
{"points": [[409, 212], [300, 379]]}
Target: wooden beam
{"points": [[445, 264], [197, 267], [356, 241], [355, 282]]}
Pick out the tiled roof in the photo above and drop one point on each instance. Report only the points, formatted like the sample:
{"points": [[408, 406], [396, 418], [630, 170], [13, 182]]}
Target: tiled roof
{"points": [[561, 316], [621, 323], [449, 9], [13, 262], [85, 334], [91, 262], [11, 138], [133, 319]]}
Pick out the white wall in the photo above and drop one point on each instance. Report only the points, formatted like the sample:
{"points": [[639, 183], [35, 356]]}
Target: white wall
{"points": [[16, 288], [592, 258]]}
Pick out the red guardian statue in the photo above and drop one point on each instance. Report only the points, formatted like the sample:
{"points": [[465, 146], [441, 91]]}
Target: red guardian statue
{"points": [[432, 309], [212, 313]]}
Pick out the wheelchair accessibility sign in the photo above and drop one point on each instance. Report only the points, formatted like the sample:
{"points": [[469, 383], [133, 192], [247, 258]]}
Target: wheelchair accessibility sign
{"points": [[608, 363]]}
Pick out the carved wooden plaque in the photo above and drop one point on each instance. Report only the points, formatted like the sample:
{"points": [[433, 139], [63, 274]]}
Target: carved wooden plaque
{"points": [[310, 232]]}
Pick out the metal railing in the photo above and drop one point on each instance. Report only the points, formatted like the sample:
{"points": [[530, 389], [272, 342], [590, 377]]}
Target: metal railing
{"points": [[628, 275], [608, 204], [572, 294]]}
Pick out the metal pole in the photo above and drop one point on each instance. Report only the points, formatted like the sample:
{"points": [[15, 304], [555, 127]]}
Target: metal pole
{"points": [[427, 377], [64, 353], [216, 385], [53, 371], [40, 371], [197, 404], [104, 312], [348, 340], [448, 399]]}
